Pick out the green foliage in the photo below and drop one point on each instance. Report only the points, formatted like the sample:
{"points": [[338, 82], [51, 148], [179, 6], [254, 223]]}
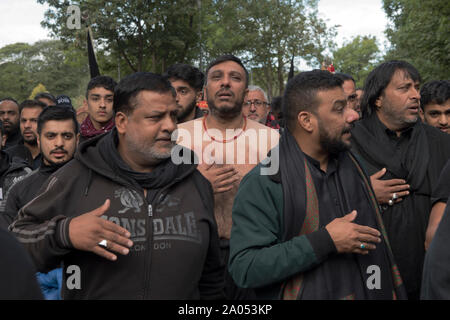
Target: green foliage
{"points": [[357, 58], [420, 34], [145, 35], [61, 69]]}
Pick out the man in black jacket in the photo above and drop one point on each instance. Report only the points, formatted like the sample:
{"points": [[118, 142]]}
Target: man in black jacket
{"points": [[11, 172], [9, 114], [57, 130], [28, 149], [127, 222]]}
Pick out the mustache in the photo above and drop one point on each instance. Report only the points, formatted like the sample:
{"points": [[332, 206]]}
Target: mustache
{"points": [[61, 149], [348, 129], [224, 90]]}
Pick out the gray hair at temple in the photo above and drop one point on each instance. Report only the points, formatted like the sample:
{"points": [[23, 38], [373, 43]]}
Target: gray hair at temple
{"points": [[256, 88]]}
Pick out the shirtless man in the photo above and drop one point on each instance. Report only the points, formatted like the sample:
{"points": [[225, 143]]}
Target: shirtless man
{"points": [[227, 144]]}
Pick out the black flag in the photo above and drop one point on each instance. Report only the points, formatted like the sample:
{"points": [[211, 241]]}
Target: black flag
{"points": [[93, 66], [291, 69]]}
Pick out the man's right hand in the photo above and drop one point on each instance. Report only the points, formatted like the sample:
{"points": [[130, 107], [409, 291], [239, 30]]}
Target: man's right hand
{"points": [[348, 236], [221, 177], [87, 230], [384, 189]]}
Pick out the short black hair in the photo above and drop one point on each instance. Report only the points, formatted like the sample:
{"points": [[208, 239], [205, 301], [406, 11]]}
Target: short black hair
{"points": [[31, 104], [436, 91], [105, 82], [130, 86], [192, 75], [57, 113], [344, 76], [225, 58], [10, 99], [45, 95], [301, 93], [379, 78]]}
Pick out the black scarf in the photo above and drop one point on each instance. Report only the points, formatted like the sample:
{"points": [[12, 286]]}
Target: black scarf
{"points": [[339, 276], [165, 173], [375, 145]]}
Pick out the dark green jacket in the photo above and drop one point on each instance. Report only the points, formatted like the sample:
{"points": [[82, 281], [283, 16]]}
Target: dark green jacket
{"points": [[259, 257]]}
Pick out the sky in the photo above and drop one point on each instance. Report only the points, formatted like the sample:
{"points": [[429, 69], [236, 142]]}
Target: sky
{"points": [[20, 20]]}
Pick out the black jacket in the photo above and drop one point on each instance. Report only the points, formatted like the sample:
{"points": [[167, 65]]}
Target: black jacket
{"points": [[176, 248], [10, 174], [17, 273], [20, 153], [24, 191]]}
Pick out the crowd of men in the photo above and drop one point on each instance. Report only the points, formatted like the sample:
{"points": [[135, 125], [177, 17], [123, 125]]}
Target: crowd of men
{"points": [[326, 192]]}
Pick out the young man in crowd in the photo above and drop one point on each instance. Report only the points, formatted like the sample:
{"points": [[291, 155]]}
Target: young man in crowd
{"points": [[435, 104], [188, 83], [99, 104], [312, 229], [28, 150]]}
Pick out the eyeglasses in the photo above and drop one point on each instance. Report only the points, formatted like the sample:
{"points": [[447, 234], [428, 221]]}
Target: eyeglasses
{"points": [[257, 103]]}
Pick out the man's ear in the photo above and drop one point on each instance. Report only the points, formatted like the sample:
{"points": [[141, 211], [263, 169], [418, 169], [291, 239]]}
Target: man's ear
{"points": [[306, 120], [379, 102], [121, 120]]}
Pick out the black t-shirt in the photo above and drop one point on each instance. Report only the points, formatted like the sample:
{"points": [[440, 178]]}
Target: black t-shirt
{"points": [[441, 191]]}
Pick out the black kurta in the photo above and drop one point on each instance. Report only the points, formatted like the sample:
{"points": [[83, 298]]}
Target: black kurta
{"points": [[417, 156]]}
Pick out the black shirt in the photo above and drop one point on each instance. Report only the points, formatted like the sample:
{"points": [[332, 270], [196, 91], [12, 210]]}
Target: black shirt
{"points": [[441, 191]]}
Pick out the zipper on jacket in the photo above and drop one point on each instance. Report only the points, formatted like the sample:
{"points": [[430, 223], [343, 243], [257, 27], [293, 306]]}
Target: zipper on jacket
{"points": [[150, 210]]}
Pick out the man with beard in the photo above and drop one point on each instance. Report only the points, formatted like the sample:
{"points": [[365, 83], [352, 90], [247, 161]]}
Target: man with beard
{"points": [[390, 138], [99, 106], [11, 172], [188, 83], [313, 229], [57, 130], [28, 151], [9, 115], [121, 216], [227, 145], [435, 103]]}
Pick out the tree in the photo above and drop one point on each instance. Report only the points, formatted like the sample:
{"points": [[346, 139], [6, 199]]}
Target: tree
{"points": [[420, 34], [357, 58], [61, 69], [147, 35]]}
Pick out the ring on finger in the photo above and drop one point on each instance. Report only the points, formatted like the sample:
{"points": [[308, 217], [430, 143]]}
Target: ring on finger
{"points": [[362, 246], [103, 243], [394, 196], [391, 202]]}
